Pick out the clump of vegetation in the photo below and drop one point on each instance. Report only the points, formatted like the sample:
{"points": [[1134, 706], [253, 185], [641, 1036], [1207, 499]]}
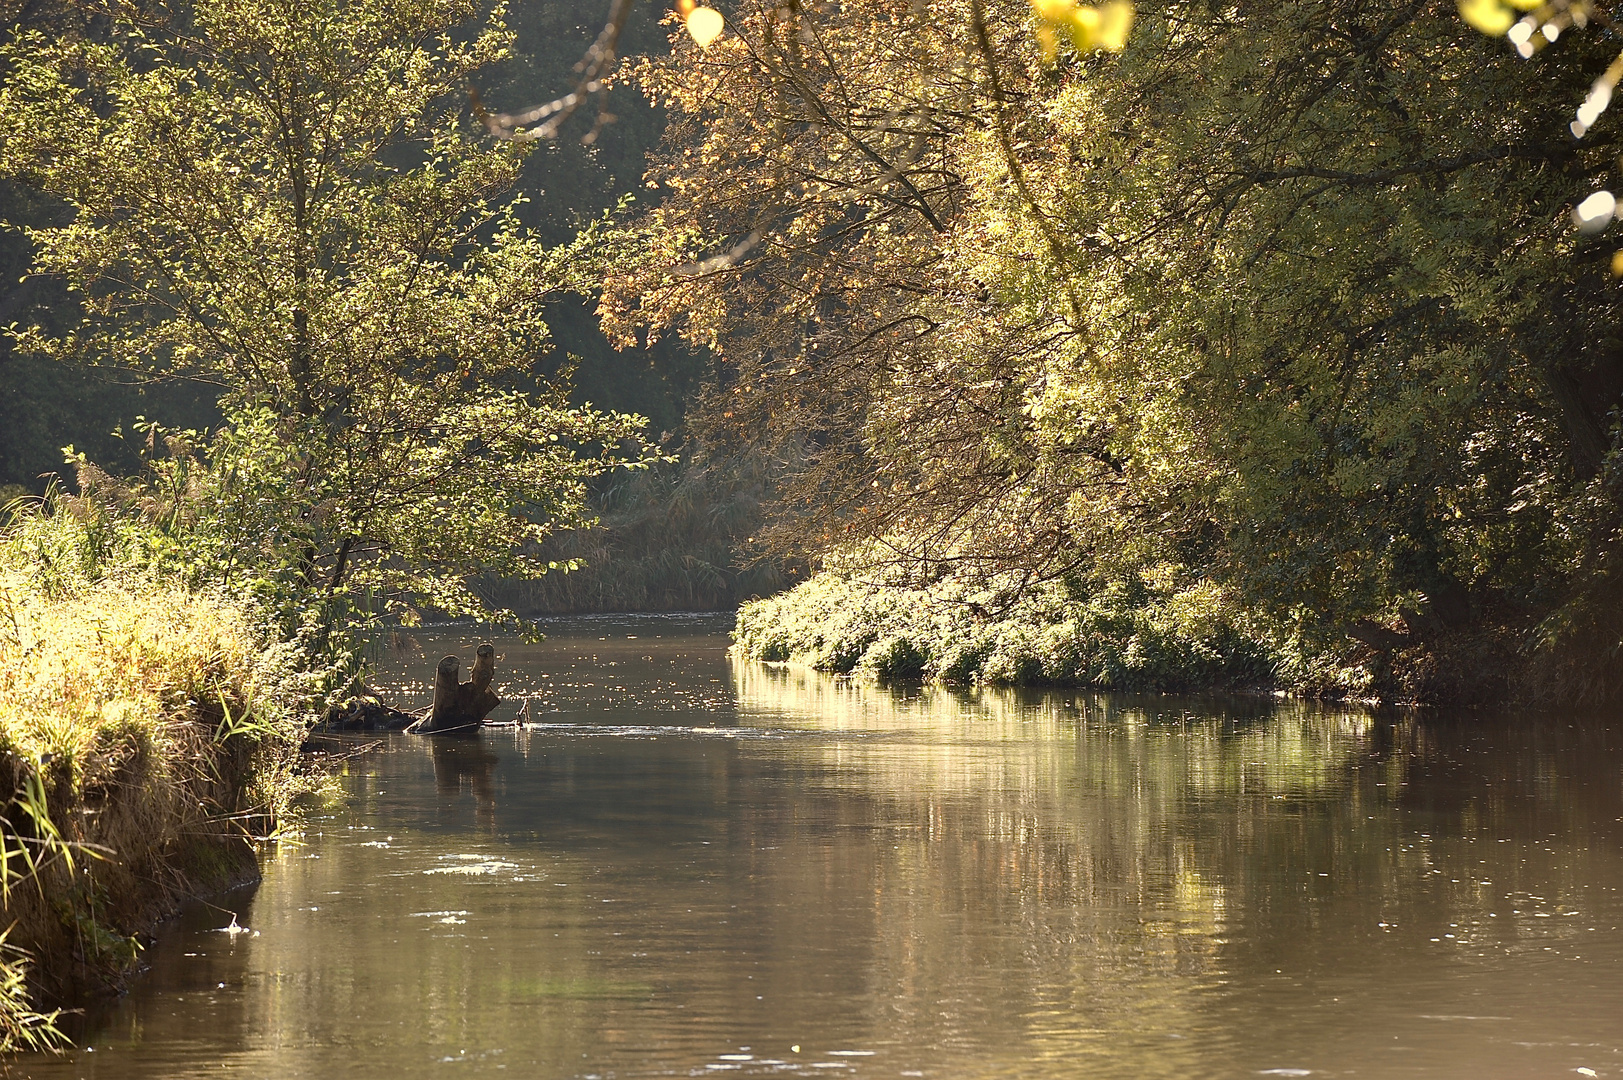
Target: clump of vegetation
{"points": [[1158, 629], [148, 732]]}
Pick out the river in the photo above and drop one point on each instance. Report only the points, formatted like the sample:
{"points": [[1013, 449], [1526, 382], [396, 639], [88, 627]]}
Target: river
{"points": [[690, 866]]}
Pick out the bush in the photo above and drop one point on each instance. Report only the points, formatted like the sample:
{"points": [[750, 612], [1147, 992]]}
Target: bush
{"points": [[1161, 631]]}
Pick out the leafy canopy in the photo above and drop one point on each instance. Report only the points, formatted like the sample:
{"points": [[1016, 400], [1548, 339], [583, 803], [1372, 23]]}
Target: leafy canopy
{"points": [[1272, 298], [286, 198]]}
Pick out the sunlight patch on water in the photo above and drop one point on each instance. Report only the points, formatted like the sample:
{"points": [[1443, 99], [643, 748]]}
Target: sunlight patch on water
{"points": [[472, 865], [449, 918], [655, 731]]}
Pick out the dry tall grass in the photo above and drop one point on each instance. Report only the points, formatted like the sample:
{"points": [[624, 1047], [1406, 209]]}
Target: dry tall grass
{"points": [[145, 736]]}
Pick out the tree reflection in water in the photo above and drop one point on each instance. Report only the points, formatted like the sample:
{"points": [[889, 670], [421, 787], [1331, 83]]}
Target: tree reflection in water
{"points": [[463, 760], [917, 881]]}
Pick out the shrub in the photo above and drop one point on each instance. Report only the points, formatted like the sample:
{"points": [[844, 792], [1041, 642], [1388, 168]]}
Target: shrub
{"points": [[1166, 631]]}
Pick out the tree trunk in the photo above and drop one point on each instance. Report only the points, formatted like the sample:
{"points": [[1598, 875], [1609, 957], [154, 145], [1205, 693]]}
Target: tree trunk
{"points": [[461, 705]]}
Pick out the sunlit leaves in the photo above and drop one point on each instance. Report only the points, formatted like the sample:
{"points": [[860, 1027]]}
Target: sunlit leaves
{"points": [[704, 24], [1315, 279], [1543, 25], [1595, 212], [1089, 28], [1598, 98], [286, 201]]}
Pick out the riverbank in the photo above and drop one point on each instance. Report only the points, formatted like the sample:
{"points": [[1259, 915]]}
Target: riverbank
{"points": [[1158, 632], [1141, 635], [148, 734]]}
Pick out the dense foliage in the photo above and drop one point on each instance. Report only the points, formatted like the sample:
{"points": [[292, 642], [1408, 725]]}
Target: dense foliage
{"points": [[290, 203], [1143, 634], [563, 184], [1285, 297]]}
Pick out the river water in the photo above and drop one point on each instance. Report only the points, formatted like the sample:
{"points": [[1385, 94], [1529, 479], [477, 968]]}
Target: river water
{"points": [[689, 867]]}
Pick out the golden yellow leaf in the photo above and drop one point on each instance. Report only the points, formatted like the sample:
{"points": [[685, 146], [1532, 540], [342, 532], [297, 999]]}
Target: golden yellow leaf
{"points": [[1055, 11], [1115, 20], [1083, 23], [1489, 16], [1617, 263], [705, 25], [1103, 27]]}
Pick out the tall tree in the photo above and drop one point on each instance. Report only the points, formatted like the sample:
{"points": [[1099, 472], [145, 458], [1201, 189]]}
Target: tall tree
{"points": [[289, 199], [1275, 295]]}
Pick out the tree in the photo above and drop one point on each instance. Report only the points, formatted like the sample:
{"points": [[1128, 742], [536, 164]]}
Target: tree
{"points": [[288, 199], [1271, 298]]}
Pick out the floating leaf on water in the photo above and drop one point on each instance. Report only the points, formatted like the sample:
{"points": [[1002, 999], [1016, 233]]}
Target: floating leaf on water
{"points": [[1617, 263]]}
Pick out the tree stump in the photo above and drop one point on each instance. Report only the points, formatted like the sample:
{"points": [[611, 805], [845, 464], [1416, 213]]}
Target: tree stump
{"points": [[462, 704]]}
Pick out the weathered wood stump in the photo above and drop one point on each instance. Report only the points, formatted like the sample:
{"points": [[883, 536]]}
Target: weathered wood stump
{"points": [[462, 704]]}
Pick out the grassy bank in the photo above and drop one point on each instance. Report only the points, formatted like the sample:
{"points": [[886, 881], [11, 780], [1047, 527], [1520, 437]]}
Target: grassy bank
{"points": [[147, 732], [1150, 632]]}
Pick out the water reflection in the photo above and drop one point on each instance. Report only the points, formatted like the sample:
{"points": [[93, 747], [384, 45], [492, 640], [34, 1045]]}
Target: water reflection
{"points": [[464, 761], [726, 865]]}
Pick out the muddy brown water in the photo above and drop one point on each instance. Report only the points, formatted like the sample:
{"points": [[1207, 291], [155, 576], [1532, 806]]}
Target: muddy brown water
{"points": [[693, 867]]}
